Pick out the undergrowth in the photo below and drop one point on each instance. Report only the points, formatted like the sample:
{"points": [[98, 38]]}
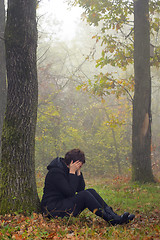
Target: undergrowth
{"points": [[120, 193]]}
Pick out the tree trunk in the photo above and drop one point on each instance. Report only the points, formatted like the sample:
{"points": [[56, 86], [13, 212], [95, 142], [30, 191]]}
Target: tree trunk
{"points": [[2, 68], [141, 128], [18, 184], [117, 158]]}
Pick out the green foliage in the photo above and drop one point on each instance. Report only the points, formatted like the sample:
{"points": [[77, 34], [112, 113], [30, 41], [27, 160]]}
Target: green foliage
{"points": [[106, 84], [75, 120], [68, 118], [116, 36]]}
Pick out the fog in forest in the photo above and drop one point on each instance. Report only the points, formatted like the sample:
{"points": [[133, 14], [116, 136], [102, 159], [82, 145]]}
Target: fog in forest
{"points": [[79, 74], [73, 110]]}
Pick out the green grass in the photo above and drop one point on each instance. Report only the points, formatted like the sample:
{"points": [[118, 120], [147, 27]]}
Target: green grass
{"points": [[121, 194], [130, 196]]}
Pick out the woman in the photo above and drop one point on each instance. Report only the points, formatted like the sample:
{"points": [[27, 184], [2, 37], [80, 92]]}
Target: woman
{"points": [[65, 194]]}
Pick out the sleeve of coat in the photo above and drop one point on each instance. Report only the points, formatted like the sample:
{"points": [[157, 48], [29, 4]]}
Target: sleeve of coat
{"points": [[81, 184], [61, 183]]}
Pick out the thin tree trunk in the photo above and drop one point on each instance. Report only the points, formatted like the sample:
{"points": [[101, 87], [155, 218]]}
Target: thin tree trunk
{"points": [[18, 184], [141, 129], [117, 159], [117, 152], [2, 68]]}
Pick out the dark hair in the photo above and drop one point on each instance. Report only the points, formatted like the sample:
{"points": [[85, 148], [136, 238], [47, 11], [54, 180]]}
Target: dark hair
{"points": [[74, 155]]}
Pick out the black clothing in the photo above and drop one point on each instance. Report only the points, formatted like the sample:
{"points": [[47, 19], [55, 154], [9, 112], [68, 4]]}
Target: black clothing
{"points": [[60, 187], [88, 199], [92, 200], [64, 194]]}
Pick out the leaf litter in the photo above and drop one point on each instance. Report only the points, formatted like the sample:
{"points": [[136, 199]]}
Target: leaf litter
{"points": [[145, 226]]}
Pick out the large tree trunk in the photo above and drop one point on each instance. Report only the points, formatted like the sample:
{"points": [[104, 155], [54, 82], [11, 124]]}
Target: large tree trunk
{"points": [[2, 68], [141, 135], [18, 185]]}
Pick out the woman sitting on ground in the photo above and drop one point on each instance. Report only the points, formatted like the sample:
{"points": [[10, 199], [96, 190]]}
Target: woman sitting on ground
{"points": [[65, 194]]}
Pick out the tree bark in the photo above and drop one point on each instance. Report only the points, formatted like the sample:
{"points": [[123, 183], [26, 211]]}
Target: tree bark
{"points": [[2, 68], [141, 128], [18, 190]]}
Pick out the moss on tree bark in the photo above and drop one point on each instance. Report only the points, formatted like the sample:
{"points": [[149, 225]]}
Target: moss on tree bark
{"points": [[2, 68], [18, 184]]}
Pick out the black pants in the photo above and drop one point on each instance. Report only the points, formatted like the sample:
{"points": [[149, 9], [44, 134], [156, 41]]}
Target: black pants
{"points": [[75, 205], [88, 199]]}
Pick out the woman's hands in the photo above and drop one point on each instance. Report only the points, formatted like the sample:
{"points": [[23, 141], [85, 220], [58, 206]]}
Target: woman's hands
{"points": [[79, 170], [75, 167]]}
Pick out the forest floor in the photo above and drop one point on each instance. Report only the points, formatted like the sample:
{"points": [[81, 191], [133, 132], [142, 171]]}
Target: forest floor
{"points": [[120, 193]]}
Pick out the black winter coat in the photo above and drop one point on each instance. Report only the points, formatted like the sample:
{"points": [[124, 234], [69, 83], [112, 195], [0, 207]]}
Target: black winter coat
{"points": [[60, 187]]}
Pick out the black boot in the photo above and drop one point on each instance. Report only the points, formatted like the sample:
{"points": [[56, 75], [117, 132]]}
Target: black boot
{"points": [[113, 218], [123, 217], [130, 218]]}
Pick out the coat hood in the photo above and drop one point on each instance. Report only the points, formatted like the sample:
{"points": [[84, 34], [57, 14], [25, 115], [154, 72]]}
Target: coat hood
{"points": [[57, 163]]}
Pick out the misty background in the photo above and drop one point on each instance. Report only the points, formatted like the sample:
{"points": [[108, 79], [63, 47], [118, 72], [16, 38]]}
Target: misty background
{"points": [[72, 116]]}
